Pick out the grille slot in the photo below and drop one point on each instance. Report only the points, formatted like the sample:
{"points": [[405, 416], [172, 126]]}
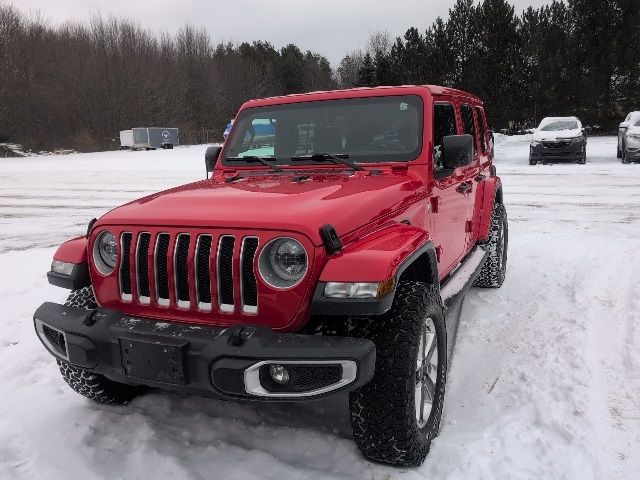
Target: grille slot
{"points": [[142, 267], [225, 273], [162, 276], [248, 284], [125, 267], [203, 274], [181, 270]]}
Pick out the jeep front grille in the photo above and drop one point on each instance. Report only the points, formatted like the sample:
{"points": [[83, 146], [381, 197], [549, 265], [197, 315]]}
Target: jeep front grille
{"points": [[188, 271]]}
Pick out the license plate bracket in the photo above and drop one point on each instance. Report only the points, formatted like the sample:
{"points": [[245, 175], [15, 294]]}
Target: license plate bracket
{"points": [[158, 361]]}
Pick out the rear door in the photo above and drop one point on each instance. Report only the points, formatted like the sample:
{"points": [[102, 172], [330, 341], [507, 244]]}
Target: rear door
{"points": [[469, 180], [485, 156]]}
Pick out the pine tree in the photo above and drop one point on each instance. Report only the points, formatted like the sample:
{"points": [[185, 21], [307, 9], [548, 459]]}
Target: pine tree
{"points": [[367, 72]]}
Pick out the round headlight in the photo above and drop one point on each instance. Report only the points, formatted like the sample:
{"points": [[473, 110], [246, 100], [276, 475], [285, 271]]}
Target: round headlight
{"points": [[283, 262], [105, 252]]}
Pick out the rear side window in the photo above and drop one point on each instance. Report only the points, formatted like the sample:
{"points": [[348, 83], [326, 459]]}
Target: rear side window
{"points": [[483, 129], [467, 120], [444, 124]]}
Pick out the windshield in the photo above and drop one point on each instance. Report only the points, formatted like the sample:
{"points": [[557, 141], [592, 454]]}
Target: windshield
{"points": [[373, 129], [555, 125]]}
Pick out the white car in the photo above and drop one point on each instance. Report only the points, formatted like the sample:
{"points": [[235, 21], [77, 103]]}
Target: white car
{"points": [[558, 139], [631, 143], [632, 118]]}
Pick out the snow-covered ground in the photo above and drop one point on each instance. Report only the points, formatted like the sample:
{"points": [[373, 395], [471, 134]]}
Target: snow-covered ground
{"points": [[545, 381]]}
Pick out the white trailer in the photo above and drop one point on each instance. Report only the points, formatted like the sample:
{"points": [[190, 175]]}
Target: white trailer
{"points": [[126, 139], [149, 138]]}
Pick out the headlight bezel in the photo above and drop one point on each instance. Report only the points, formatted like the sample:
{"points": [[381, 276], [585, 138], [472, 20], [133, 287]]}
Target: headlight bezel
{"points": [[102, 266], [267, 272]]}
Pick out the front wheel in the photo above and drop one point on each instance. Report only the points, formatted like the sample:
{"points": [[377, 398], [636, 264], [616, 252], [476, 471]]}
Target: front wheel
{"points": [[93, 385], [625, 159], [397, 414], [532, 161], [583, 158]]}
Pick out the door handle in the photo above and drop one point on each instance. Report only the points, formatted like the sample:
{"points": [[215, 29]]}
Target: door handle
{"points": [[464, 187]]}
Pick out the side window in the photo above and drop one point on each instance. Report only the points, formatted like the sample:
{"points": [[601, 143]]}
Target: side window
{"points": [[483, 129], [468, 123], [444, 124]]}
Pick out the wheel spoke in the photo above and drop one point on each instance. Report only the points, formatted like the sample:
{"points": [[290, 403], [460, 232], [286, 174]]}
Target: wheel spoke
{"points": [[422, 403], [432, 348], [420, 406], [429, 387]]}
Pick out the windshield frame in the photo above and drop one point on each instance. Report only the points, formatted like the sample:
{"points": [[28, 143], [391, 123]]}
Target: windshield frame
{"points": [[413, 99]]}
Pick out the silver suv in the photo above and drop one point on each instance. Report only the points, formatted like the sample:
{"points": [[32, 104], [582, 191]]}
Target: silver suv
{"points": [[632, 118]]}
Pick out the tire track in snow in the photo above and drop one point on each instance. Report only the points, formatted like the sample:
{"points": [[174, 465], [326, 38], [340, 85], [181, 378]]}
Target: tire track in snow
{"points": [[607, 288]]}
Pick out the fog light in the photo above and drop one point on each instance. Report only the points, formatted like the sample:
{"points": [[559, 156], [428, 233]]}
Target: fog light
{"points": [[279, 374]]}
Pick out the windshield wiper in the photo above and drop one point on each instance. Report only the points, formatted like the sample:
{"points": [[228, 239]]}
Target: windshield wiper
{"points": [[254, 158], [339, 158]]}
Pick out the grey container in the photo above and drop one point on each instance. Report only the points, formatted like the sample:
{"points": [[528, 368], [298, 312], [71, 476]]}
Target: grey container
{"points": [[155, 137]]}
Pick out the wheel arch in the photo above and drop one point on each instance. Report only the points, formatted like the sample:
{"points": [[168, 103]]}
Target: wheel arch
{"points": [[401, 252]]}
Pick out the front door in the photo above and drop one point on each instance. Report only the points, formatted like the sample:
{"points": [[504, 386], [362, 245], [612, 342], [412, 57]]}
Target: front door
{"points": [[450, 196]]}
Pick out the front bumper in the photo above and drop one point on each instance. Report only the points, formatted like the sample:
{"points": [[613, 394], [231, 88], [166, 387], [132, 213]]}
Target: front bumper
{"points": [[558, 151], [632, 154], [227, 362]]}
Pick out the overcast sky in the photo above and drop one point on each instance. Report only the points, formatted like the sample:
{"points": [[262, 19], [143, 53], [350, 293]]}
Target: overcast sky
{"points": [[329, 27]]}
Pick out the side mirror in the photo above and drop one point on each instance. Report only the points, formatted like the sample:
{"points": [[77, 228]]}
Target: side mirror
{"points": [[211, 157], [458, 151]]}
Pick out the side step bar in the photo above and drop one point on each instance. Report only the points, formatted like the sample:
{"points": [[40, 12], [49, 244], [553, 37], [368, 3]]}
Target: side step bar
{"points": [[457, 285]]}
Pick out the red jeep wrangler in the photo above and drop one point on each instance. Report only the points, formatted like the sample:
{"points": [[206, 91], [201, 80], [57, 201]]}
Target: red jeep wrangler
{"points": [[329, 250]]}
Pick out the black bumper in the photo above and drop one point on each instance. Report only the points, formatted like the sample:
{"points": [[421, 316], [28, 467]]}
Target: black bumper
{"points": [[565, 151], [632, 155], [228, 362]]}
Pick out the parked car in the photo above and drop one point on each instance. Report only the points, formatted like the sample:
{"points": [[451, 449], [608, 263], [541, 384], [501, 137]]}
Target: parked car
{"points": [[622, 130], [558, 139], [631, 144], [149, 138], [332, 256]]}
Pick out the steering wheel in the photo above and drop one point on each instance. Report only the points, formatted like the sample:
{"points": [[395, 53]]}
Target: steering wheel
{"points": [[384, 146]]}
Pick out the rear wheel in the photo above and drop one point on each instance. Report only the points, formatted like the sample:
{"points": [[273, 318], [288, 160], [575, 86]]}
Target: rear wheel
{"points": [[92, 385], [532, 161], [397, 414], [494, 270], [625, 159]]}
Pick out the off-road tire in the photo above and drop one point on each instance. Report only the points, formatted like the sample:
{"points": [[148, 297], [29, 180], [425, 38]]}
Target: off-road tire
{"points": [[92, 385], [494, 270], [383, 412], [625, 159]]}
